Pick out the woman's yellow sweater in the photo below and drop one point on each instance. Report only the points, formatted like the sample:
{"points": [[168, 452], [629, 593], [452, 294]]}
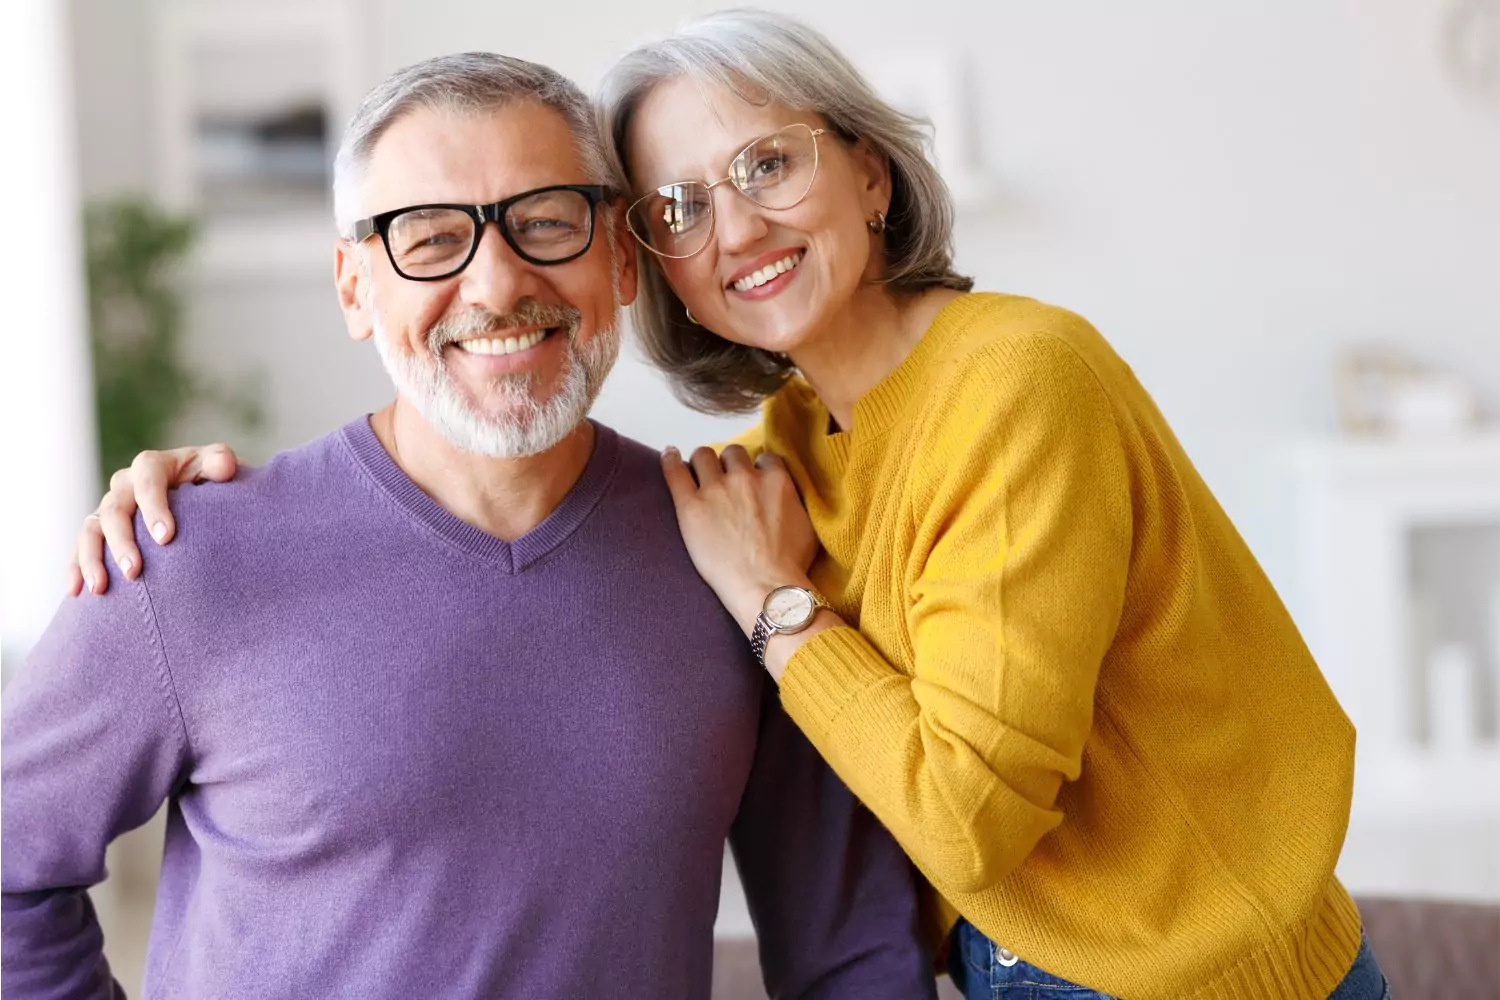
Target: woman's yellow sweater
{"points": [[1068, 689]]}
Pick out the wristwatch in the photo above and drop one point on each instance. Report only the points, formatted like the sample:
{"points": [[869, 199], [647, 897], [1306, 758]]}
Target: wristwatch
{"points": [[787, 610]]}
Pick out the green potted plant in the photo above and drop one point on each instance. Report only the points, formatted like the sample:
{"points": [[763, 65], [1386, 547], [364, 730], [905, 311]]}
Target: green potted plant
{"points": [[142, 382]]}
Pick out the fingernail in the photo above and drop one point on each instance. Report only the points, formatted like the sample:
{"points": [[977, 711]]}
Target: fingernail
{"points": [[93, 587], [125, 565], [159, 531], [671, 452]]}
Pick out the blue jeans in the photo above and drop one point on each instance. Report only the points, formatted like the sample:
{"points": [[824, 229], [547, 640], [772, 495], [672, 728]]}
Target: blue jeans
{"points": [[983, 970]]}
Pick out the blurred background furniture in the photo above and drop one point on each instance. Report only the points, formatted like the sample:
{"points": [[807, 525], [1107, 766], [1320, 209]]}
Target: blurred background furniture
{"points": [[1398, 541], [1429, 951]]}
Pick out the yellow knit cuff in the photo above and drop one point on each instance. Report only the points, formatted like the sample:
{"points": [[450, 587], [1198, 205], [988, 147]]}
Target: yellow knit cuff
{"points": [[830, 671]]}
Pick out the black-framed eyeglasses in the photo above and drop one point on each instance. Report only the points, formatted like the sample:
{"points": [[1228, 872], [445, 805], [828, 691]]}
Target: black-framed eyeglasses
{"points": [[550, 225], [775, 171]]}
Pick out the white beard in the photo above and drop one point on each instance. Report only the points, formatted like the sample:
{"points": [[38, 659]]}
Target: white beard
{"points": [[523, 425]]}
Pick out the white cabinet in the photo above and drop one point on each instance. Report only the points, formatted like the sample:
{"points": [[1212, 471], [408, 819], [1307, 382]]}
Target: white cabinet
{"points": [[1399, 552]]}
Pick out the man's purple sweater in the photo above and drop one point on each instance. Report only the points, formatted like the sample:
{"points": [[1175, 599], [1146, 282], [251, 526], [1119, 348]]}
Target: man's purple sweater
{"points": [[406, 759]]}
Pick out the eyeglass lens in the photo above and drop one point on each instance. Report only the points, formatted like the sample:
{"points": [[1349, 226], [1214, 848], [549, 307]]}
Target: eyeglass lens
{"points": [[775, 172], [435, 242]]}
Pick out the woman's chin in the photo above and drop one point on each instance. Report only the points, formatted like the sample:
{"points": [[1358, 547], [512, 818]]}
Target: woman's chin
{"points": [[780, 336]]}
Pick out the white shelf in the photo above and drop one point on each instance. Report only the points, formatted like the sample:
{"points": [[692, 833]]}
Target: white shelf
{"points": [[1401, 458], [287, 247], [1437, 785]]}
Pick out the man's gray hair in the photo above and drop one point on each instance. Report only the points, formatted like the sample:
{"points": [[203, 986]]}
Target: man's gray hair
{"points": [[469, 83], [773, 58]]}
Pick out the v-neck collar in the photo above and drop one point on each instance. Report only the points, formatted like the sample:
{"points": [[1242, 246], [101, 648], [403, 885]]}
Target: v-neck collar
{"points": [[511, 557]]}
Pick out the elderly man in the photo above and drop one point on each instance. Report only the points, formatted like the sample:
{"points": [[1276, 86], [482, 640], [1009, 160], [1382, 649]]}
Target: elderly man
{"points": [[437, 703]]}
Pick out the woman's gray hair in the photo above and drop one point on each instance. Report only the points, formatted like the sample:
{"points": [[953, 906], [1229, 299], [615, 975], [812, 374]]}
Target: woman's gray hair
{"points": [[770, 58], [469, 83]]}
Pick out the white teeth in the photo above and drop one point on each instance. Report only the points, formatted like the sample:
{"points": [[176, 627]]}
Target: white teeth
{"points": [[757, 278], [495, 345]]}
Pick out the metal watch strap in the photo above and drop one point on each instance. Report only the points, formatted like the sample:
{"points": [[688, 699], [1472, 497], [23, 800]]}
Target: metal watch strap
{"points": [[759, 637]]}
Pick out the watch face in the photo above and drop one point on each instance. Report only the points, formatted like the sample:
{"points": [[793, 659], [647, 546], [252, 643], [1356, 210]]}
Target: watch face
{"points": [[789, 607]]}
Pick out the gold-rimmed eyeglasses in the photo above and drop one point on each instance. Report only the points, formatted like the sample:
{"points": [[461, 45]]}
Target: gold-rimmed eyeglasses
{"points": [[775, 171]]}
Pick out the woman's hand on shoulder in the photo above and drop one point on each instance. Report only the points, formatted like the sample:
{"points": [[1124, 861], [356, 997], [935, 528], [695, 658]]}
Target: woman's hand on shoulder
{"points": [[743, 523], [144, 485]]}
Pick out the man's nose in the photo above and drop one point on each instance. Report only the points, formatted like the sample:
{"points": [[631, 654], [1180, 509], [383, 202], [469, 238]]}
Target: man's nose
{"points": [[497, 279]]}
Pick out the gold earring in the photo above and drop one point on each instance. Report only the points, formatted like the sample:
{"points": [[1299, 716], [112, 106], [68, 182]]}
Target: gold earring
{"points": [[690, 316], [877, 224]]}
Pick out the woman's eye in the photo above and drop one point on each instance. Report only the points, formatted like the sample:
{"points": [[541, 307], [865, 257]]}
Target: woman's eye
{"points": [[769, 165]]}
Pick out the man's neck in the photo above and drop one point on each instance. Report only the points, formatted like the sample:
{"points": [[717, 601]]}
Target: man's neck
{"points": [[506, 497]]}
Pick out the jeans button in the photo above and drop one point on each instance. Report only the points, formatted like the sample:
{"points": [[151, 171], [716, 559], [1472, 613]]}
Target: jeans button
{"points": [[1005, 956]]}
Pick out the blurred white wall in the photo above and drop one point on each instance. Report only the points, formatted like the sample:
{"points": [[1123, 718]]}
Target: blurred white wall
{"points": [[46, 404]]}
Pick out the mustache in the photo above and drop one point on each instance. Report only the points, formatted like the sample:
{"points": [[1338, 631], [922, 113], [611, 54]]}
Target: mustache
{"points": [[484, 322]]}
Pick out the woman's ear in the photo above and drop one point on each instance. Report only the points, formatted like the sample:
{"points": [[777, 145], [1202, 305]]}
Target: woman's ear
{"points": [[874, 171]]}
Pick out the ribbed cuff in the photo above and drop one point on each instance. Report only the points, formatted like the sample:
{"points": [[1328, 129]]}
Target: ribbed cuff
{"points": [[826, 675]]}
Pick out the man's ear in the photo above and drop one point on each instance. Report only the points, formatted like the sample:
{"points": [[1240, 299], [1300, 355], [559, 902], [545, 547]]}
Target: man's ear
{"points": [[625, 251], [353, 281]]}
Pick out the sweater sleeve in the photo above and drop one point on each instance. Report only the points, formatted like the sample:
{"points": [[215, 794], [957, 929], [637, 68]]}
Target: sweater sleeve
{"points": [[93, 745], [1014, 592], [833, 899]]}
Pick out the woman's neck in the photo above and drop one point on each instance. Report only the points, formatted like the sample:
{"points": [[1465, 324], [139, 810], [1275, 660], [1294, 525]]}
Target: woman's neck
{"points": [[866, 342]]}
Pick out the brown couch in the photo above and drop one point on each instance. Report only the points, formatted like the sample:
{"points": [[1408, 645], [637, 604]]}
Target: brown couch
{"points": [[1429, 951]]}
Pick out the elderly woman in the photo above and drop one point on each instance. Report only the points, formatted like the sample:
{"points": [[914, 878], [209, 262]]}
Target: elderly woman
{"points": [[994, 591]]}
